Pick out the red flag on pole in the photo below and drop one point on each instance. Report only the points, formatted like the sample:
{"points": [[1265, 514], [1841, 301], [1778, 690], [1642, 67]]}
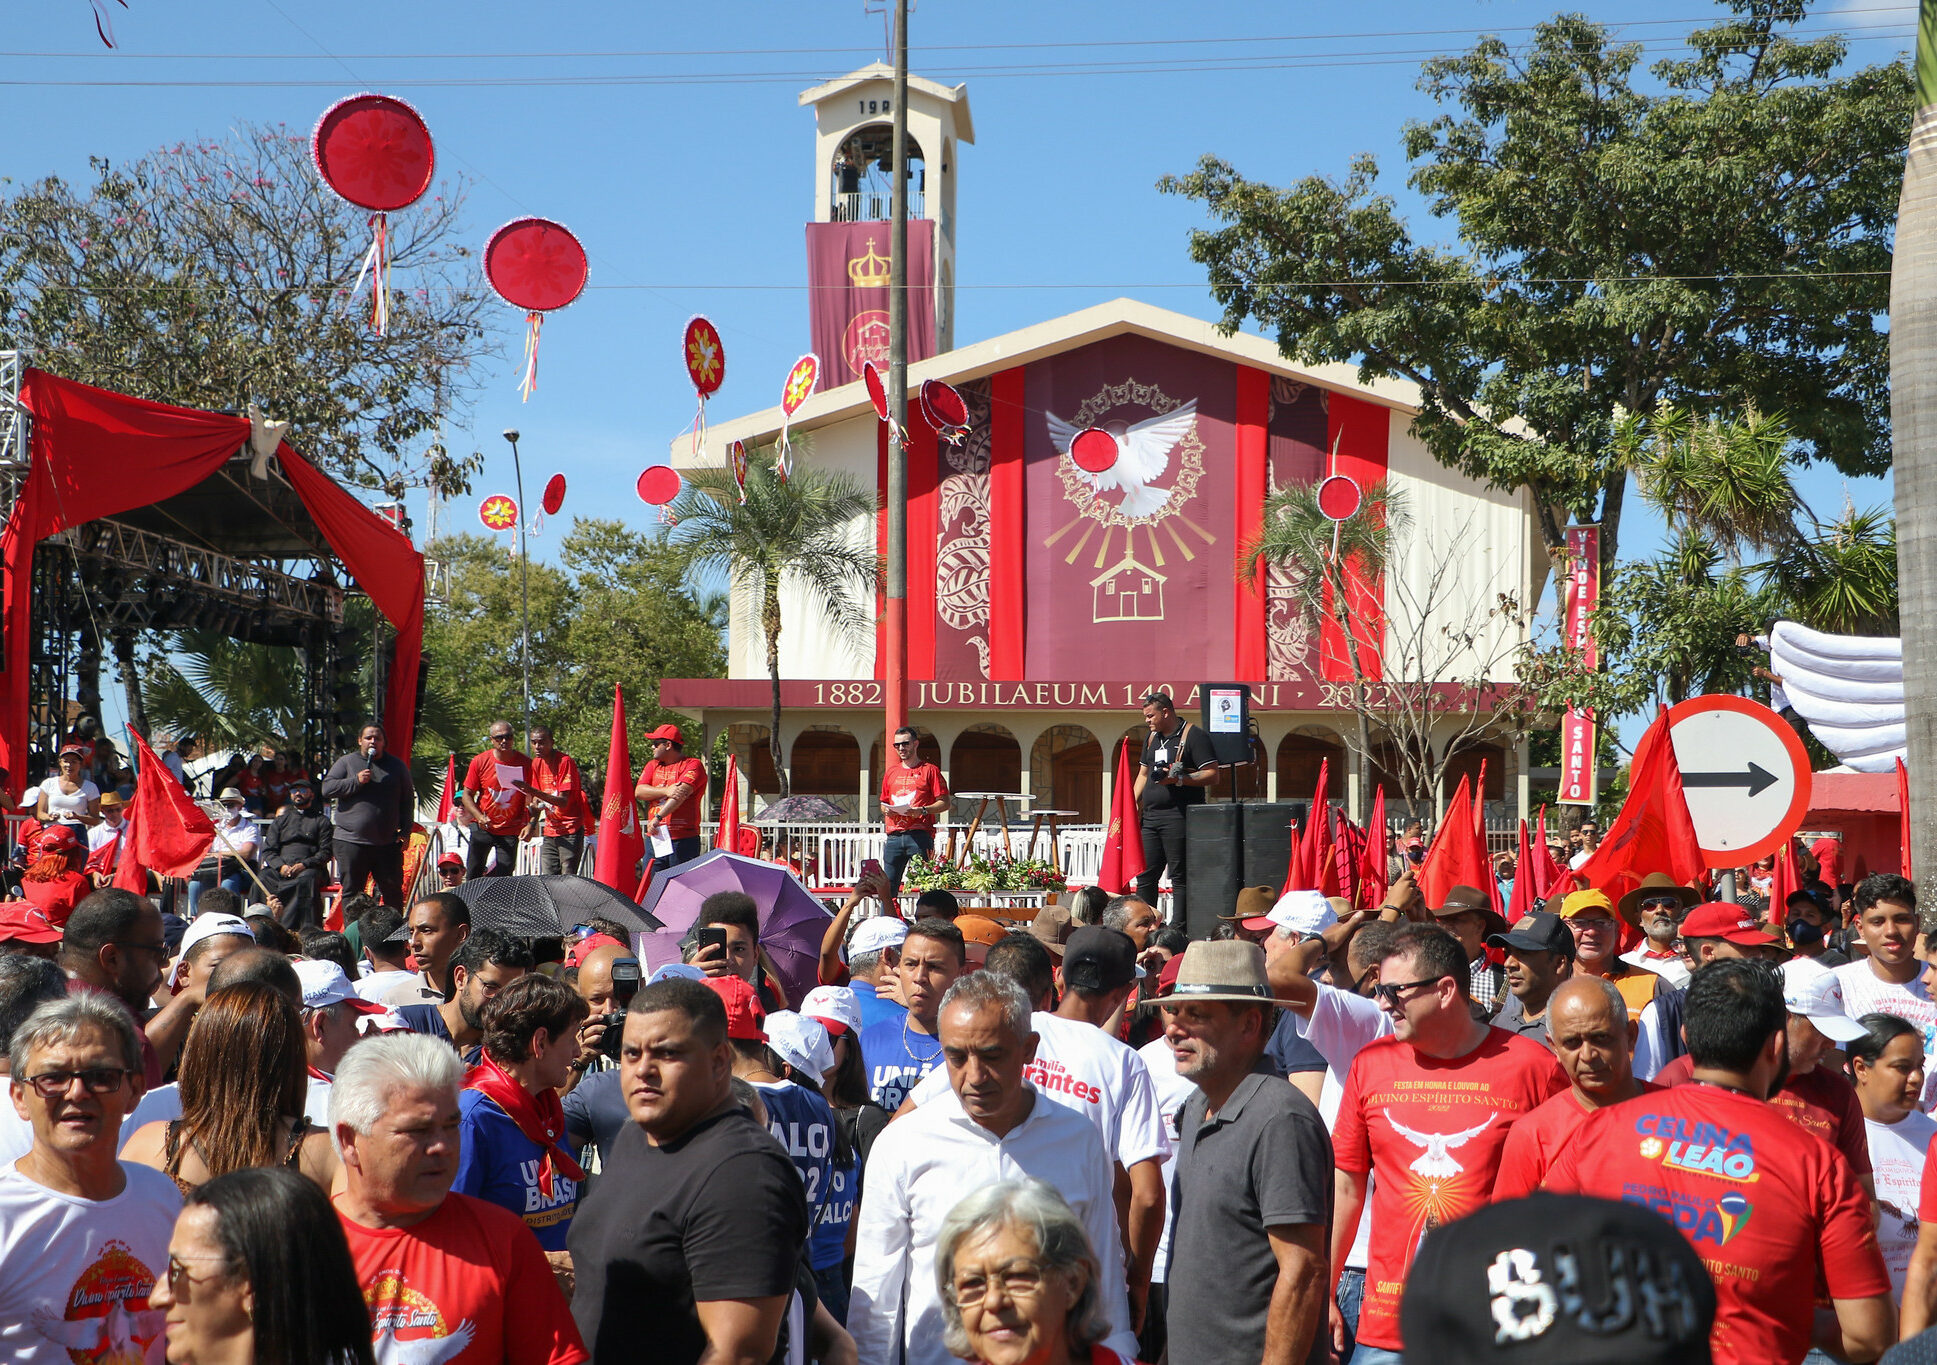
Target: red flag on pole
{"points": [[727, 836], [1123, 860], [1318, 826], [446, 802], [1372, 863], [1785, 883], [168, 834], [1653, 832], [1526, 899], [1455, 858], [621, 843], [1903, 816], [1547, 873]]}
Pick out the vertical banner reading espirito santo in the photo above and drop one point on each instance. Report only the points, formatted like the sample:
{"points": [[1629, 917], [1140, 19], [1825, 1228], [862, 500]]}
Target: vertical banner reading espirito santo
{"points": [[1578, 771]]}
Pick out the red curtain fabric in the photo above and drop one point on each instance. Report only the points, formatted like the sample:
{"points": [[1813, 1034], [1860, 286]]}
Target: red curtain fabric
{"points": [[1008, 517], [96, 453], [1253, 416]]}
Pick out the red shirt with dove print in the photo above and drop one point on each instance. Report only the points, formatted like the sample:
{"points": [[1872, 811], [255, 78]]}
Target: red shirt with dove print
{"points": [[1430, 1131]]}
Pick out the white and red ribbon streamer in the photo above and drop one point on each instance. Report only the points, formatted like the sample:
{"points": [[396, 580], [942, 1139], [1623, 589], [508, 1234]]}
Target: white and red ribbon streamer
{"points": [[376, 264], [528, 380]]}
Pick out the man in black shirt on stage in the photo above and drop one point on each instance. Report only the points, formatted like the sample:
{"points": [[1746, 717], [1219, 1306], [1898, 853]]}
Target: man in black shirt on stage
{"points": [[295, 851], [1177, 765], [693, 1251], [374, 804]]}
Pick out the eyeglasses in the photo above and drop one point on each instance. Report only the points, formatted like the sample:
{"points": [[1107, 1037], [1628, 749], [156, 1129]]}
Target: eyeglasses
{"points": [[907, 743], [1662, 903], [178, 1272], [1020, 1280], [159, 949], [99, 1080], [501, 739], [1389, 995]]}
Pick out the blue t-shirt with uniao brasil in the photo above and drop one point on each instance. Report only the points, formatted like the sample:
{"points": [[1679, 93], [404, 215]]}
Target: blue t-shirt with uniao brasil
{"points": [[897, 1057], [499, 1164]]}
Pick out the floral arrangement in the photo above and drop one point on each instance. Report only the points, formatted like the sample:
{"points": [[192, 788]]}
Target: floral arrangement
{"points": [[984, 874]]}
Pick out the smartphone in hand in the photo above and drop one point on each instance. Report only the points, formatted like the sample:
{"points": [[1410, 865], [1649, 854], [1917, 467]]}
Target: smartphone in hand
{"points": [[871, 867], [710, 936]]}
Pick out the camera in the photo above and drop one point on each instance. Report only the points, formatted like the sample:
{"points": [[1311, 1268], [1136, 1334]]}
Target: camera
{"points": [[625, 985], [1160, 772]]}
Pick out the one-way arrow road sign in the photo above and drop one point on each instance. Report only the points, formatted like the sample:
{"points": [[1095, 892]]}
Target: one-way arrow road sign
{"points": [[1745, 774], [1755, 777]]}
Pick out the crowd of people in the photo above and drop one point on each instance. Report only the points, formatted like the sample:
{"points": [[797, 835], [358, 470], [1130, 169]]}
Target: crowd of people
{"points": [[1657, 1127]]}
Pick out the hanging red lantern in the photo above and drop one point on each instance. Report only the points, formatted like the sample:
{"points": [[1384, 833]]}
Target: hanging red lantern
{"points": [[375, 152], [539, 266]]}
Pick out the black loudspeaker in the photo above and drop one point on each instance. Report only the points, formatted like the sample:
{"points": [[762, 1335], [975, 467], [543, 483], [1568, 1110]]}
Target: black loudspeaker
{"points": [[1267, 841], [1213, 859]]}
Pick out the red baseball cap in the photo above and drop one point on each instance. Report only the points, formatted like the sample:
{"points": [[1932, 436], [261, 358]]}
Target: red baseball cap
{"points": [[1719, 919], [60, 837], [1168, 976], [583, 948], [666, 732], [23, 922], [450, 860], [744, 1012]]}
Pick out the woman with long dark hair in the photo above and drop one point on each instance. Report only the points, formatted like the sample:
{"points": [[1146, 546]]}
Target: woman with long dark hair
{"points": [[244, 1087], [1887, 1065], [259, 1273]]}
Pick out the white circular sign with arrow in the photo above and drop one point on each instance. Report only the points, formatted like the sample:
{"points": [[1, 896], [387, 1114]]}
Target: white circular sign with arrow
{"points": [[1745, 774]]}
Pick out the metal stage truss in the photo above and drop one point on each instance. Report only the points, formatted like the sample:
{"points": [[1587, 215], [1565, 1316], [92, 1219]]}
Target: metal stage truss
{"points": [[164, 568]]}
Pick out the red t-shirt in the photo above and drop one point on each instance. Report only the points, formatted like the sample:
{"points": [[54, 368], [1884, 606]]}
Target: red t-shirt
{"points": [[1534, 1142], [683, 823], [559, 777], [925, 781], [1768, 1208], [1818, 1101], [57, 897], [1430, 1132], [473, 1270], [503, 807]]}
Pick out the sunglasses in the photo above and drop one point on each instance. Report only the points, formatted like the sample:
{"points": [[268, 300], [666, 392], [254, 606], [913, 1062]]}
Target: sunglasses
{"points": [[1390, 995], [178, 1272], [99, 1080]]}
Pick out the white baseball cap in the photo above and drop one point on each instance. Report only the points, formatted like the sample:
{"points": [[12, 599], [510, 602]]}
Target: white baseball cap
{"points": [[835, 1007], [1307, 912], [872, 935], [1813, 991], [389, 1021], [800, 1042], [325, 984], [199, 928]]}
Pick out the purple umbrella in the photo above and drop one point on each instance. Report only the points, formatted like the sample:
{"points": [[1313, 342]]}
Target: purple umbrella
{"points": [[791, 920]]}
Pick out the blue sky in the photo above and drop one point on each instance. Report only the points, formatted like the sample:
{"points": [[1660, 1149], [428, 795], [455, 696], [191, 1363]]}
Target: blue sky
{"points": [[669, 139]]}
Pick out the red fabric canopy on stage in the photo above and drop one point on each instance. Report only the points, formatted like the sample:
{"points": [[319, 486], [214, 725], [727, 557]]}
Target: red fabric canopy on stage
{"points": [[98, 453]]}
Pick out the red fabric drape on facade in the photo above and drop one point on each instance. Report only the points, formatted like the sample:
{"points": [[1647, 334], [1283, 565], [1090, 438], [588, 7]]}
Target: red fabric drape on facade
{"points": [[97, 453]]}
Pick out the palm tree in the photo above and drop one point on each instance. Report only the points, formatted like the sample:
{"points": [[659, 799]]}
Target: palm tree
{"points": [[1325, 558], [229, 694], [803, 531], [1913, 426]]}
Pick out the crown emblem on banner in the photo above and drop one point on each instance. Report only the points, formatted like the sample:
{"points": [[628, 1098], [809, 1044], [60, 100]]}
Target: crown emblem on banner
{"points": [[870, 271]]}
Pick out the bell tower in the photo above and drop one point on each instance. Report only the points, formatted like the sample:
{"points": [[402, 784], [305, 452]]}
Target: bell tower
{"points": [[848, 235]]}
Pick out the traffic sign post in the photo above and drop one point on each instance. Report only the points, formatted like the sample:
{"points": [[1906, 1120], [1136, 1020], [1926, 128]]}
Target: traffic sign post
{"points": [[1745, 774]]}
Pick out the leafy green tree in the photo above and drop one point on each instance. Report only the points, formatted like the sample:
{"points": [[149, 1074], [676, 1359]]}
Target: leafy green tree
{"points": [[799, 532], [1714, 237], [213, 273]]}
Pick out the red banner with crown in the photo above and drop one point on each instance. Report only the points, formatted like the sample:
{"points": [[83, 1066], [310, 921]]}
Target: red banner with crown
{"points": [[847, 274]]}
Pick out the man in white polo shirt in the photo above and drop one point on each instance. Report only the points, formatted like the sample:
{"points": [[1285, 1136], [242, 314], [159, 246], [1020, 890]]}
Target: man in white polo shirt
{"points": [[991, 1126], [331, 1009]]}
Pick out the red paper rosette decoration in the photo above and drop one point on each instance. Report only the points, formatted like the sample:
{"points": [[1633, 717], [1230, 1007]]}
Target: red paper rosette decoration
{"points": [[877, 388], [1093, 449], [705, 357], [539, 266], [374, 151], [736, 459], [658, 486], [554, 495], [1339, 497], [801, 380], [945, 410], [498, 512]]}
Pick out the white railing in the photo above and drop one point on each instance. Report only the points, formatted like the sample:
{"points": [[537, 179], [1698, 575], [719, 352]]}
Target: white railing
{"points": [[867, 206]]}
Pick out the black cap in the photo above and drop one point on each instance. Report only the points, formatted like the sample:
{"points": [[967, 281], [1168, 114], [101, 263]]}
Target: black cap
{"points": [[1541, 932], [1096, 959], [1559, 1279]]}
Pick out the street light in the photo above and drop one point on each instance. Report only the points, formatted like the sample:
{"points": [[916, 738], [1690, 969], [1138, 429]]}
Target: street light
{"points": [[524, 586]]}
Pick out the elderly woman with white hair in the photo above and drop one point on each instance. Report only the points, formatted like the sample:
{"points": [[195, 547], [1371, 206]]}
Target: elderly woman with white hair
{"points": [[1018, 1280]]}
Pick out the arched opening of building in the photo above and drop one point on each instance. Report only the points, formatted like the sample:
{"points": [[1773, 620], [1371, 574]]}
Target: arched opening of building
{"points": [[863, 177], [1299, 758], [985, 758], [1066, 772], [1466, 764], [827, 762], [755, 754]]}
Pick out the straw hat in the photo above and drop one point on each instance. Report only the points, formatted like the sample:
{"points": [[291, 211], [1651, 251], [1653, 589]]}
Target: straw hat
{"points": [[1231, 972]]}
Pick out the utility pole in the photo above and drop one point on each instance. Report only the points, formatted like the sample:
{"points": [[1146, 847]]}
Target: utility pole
{"points": [[895, 627], [524, 587]]}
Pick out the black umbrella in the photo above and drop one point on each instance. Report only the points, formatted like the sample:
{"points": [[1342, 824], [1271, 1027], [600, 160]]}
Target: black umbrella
{"points": [[548, 906]]}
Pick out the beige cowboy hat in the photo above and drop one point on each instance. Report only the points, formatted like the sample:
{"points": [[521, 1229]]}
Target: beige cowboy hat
{"points": [[1230, 972]]}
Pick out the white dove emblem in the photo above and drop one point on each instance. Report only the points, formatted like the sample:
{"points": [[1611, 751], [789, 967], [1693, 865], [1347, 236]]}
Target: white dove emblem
{"points": [[1434, 1164], [425, 1350], [1143, 455], [108, 1337]]}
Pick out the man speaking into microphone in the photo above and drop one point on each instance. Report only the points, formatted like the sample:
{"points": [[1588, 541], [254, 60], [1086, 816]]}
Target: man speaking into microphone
{"points": [[374, 802]]}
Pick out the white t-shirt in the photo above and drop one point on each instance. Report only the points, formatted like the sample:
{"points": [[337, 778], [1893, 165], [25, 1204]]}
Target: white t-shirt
{"points": [[75, 1273], [68, 806], [16, 1135], [1173, 1092], [1083, 1068], [1341, 1025], [1864, 992], [103, 833], [375, 986], [1897, 1157]]}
